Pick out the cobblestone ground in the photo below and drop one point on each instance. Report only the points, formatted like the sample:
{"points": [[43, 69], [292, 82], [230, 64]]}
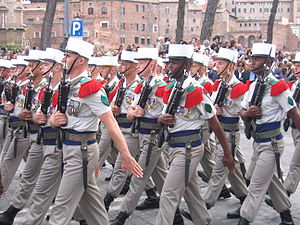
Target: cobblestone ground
{"points": [[266, 214]]}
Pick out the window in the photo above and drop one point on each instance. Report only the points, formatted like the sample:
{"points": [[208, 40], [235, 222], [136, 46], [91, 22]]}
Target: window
{"points": [[136, 40], [252, 10], [122, 40], [90, 11], [96, 34], [104, 24], [239, 10], [30, 20], [266, 9], [136, 27], [192, 29], [122, 26], [167, 31], [155, 28], [143, 27], [288, 9], [53, 34], [104, 10], [61, 20], [233, 10], [194, 20], [148, 27], [148, 41], [260, 10], [37, 34], [167, 20], [136, 8], [167, 10], [122, 11], [245, 10], [143, 8], [142, 41]]}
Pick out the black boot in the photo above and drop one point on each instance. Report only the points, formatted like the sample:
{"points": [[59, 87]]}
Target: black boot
{"points": [[82, 222], [243, 221], [286, 218], [8, 216], [186, 214], [178, 220], [126, 186], [151, 202], [203, 176], [108, 199], [225, 193], [235, 214], [120, 219]]}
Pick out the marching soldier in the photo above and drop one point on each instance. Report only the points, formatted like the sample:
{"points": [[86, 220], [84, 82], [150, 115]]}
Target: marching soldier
{"points": [[181, 119], [35, 154], [50, 174], [15, 145], [94, 67], [87, 103], [263, 116], [144, 111], [228, 111]]}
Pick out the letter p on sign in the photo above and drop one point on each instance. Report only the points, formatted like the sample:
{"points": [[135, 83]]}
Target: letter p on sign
{"points": [[76, 28]]}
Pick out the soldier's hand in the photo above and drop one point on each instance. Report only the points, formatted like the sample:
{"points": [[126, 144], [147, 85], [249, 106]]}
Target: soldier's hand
{"points": [[254, 111], [139, 112], [130, 165], [8, 106], [39, 117], [58, 119], [25, 114], [219, 110], [167, 119], [228, 161], [116, 110]]}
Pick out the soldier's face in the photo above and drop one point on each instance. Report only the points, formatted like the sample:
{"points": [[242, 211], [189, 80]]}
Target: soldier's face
{"points": [[257, 64], [143, 68], [223, 67], [297, 69], [46, 66], [195, 68], [35, 68], [124, 66], [105, 70], [176, 67]]}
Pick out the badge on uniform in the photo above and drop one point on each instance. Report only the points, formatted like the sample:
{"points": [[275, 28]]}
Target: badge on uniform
{"points": [[290, 101], [73, 107], [208, 108], [104, 100]]}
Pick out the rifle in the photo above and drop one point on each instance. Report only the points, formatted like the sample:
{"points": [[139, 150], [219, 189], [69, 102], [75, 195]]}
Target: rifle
{"points": [[142, 101], [121, 92], [220, 99], [296, 96], [108, 88], [28, 103], [64, 89], [14, 91], [45, 104], [172, 106], [257, 97]]}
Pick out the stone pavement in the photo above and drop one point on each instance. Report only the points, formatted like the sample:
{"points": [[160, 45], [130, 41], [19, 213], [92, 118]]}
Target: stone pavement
{"points": [[266, 214]]}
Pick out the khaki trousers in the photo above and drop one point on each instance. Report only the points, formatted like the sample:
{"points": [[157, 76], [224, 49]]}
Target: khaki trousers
{"points": [[119, 177], [71, 192], [293, 177], [106, 151], [174, 189], [29, 177], [264, 178], [10, 164], [220, 174], [46, 186], [3, 123], [157, 169]]}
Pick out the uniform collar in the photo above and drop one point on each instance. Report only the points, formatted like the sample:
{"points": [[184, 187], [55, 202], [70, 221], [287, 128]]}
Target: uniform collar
{"points": [[79, 77]]}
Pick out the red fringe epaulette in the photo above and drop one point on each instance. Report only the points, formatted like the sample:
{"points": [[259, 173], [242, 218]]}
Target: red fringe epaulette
{"points": [[41, 94], [138, 88], [55, 99], [237, 90], [160, 91], [112, 94], [290, 84], [88, 88], [247, 86], [165, 78], [103, 82], [24, 90], [194, 98], [208, 87], [216, 85], [278, 88]]}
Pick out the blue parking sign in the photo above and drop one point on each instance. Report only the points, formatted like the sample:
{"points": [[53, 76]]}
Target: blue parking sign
{"points": [[76, 28]]}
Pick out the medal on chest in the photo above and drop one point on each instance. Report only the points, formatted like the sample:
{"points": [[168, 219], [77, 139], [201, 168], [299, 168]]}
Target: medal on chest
{"points": [[73, 108]]}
